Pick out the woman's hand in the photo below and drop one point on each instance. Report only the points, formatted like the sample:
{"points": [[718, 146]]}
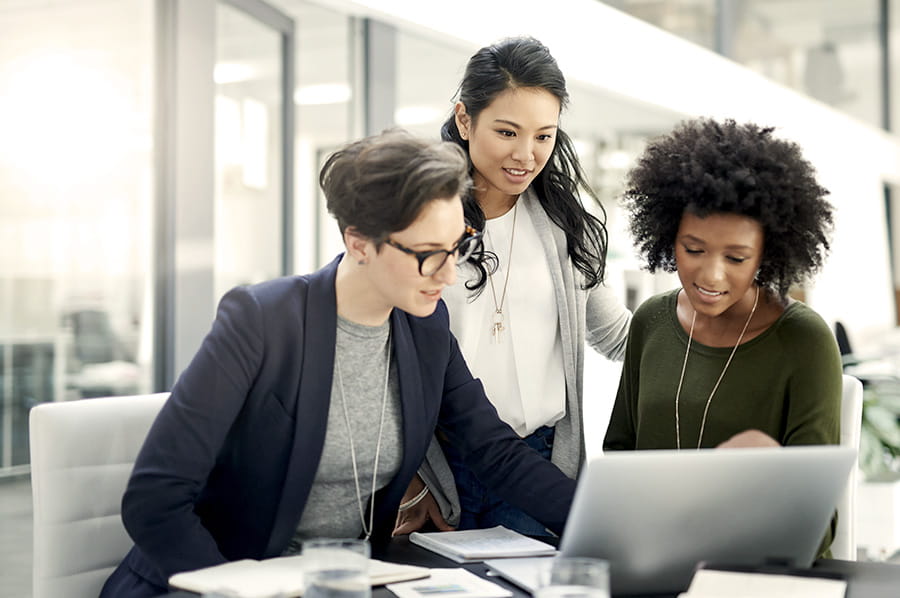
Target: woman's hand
{"points": [[749, 439], [415, 516]]}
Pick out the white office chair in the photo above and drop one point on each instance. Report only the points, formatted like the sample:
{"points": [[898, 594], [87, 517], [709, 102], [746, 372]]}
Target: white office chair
{"points": [[844, 544], [82, 454]]}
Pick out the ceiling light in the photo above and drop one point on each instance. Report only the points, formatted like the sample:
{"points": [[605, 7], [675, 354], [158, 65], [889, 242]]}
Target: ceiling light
{"points": [[417, 115], [323, 93], [232, 72]]}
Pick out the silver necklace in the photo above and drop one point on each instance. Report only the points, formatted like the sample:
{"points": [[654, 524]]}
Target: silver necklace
{"points": [[359, 501], [716, 387], [497, 325]]}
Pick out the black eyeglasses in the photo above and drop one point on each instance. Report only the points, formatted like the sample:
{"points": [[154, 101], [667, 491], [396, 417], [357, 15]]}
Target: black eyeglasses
{"points": [[432, 261]]}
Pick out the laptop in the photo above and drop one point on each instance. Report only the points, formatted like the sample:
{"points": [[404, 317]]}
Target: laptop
{"points": [[655, 514]]}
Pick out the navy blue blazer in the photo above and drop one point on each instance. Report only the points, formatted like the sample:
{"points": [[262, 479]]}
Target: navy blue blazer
{"points": [[228, 464]]}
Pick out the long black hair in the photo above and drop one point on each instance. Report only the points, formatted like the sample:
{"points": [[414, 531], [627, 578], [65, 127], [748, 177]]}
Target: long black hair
{"points": [[525, 62]]}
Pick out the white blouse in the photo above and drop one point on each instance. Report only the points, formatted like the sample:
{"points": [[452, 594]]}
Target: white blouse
{"points": [[523, 373]]}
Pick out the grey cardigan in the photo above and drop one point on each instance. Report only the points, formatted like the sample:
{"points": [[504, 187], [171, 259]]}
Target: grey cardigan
{"points": [[595, 316]]}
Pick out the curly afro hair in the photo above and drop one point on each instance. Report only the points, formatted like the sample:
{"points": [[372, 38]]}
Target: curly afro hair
{"points": [[707, 167]]}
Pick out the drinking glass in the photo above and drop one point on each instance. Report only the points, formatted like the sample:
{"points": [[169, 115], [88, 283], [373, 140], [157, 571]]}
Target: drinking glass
{"points": [[336, 568], [575, 577]]}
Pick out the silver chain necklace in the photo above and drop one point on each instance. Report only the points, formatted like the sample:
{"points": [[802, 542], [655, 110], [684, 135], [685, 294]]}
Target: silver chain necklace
{"points": [[716, 387], [359, 501], [497, 325]]}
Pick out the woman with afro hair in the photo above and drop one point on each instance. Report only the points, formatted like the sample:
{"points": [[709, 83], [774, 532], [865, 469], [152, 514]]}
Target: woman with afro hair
{"points": [[739, 215], [729, 359]]}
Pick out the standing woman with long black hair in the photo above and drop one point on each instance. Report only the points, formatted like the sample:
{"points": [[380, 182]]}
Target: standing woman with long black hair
{"points": [[521, 318]]}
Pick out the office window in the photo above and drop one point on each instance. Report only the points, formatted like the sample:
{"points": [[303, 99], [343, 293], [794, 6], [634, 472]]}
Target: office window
{"points": [[894, 63], [828, 50], [327, 113], [428, 74], [75, 206], [694, 20], [248, 150]]}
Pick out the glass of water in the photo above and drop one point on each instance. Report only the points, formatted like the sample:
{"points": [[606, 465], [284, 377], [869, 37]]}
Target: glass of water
{"points": [[574, 577], [336, 568]]}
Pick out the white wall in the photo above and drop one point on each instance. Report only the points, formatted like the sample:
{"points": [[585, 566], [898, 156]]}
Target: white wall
{"points": [[599, 46], [661, 75]]}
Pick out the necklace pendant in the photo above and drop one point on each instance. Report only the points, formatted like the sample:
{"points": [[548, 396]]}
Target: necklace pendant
{"points": [[497, 326]]}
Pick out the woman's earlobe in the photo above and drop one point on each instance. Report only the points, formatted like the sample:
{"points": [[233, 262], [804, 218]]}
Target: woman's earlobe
{"points": [[356, 245], [462, 120]]}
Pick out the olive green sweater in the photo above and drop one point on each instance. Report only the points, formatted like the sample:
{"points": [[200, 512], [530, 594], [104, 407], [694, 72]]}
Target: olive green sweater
{"points": [[785, 382]]}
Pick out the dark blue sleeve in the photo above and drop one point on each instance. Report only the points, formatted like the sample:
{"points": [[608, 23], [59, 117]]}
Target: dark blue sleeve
{"points": [[171, 470], [496, 454]]}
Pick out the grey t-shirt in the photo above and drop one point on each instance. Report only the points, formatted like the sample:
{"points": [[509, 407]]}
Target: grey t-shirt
{"points": [[361, 358]]}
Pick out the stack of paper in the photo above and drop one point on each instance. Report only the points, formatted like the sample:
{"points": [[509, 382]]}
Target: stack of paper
{"points": [[474, 545], [278, 576], [712, 583], [458, 583]]}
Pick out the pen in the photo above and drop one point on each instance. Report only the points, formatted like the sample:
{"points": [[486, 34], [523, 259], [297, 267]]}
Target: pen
{"points": [[441, 589]]}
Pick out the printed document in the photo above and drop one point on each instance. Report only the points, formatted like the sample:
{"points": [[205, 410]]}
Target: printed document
{"points": [[712, 583], [474, 545]]}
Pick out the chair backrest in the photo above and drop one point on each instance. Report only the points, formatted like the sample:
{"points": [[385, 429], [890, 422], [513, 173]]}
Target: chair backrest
{"points": [[843, 339], [844, 544], [82, 453]]}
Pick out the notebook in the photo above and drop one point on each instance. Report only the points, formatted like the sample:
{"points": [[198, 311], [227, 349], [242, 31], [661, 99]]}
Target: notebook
{"points": [[474, 545], [250, 578], [655, 514]]}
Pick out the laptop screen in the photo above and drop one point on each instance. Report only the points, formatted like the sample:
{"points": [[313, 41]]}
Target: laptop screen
{"points": [[655, 514]]}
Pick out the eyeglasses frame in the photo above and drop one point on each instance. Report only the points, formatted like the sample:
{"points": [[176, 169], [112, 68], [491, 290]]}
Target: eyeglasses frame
{"points": [[421, 256]]}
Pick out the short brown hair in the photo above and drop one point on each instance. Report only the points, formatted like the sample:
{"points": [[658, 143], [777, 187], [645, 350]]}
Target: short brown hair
{"points": [[379, 184]]}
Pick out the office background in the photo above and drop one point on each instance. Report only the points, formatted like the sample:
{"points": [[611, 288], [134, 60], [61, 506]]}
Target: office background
{"points": [[154, 153]]}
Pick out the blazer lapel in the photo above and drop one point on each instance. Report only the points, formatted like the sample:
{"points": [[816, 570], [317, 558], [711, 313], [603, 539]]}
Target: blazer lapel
{"points": [[411, 391], [416, 431], [317, 344]]}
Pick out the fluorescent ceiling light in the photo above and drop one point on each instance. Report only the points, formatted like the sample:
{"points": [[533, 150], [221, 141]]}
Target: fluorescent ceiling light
{"points": [[324, 93], [417, 115], [233, 72]]}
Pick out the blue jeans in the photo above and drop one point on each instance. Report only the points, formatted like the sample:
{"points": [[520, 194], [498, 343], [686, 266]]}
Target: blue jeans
{"points": [[480, 508]]}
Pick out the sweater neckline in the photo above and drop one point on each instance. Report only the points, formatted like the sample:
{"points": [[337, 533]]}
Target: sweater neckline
{"points": [[672, 314]]}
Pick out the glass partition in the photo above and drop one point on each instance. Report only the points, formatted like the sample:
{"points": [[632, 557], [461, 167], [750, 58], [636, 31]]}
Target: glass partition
{"points": [[328, 115], [75, 206], [426, 94], [694, 20], [893, 41], [248, 150], [827, 49]]}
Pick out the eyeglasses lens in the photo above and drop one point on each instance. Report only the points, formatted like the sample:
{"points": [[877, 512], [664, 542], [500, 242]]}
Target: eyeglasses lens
{"points": [[435, 261]]}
